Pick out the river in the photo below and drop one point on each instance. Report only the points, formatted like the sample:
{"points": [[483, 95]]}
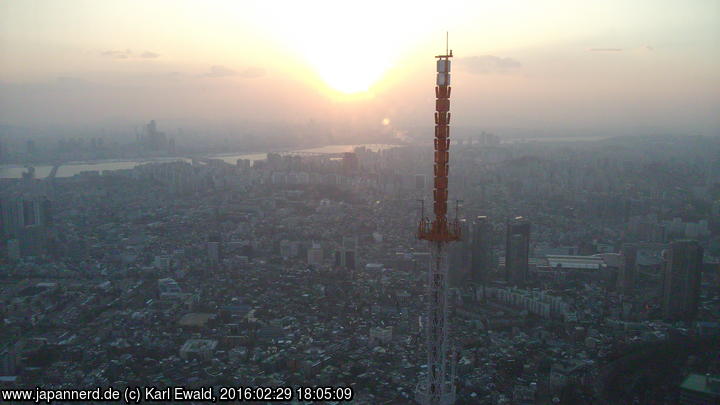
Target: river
{"points": [[71, 169]]}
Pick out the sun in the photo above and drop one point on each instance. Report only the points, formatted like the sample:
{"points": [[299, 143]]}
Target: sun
{"points": [[351, 75], [349, 47], [349, 61], [348, 72]]}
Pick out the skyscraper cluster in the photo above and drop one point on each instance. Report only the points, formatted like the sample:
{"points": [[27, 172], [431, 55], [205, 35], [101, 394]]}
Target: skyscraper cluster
{"points": [[481, 250], [24, 223], [517, 251], [346, 256], [682, 274]]}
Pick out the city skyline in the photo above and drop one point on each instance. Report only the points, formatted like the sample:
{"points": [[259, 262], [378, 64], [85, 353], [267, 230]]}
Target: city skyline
{"points": [[247, 201]]}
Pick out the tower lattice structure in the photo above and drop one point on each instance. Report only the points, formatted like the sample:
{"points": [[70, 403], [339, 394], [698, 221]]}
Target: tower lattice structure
{"points": [[438, 387]]}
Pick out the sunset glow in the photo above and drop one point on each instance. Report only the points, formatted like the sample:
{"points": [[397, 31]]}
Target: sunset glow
{"points": [[353, 49], [560, 65]]}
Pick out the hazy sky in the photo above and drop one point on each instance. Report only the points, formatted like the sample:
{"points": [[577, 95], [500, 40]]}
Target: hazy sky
{"points": [[556, 66]]}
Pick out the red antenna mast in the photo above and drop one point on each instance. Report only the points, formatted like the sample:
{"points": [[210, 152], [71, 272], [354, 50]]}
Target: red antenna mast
{"points": [[437, 387], [440, 229]]}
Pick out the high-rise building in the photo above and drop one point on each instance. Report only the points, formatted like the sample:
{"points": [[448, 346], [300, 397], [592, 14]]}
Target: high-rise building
{"points": [[628, 269], [214, 248], [681, 284], [315, 255], [350, 163], [152, 139], [25, 219], [348, 253], [21, 212], [517, 250], [481, 250], [12, 216], [273, 160]]}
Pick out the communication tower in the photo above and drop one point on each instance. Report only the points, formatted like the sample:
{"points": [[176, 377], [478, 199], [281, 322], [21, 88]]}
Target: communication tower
{"points": [[437, 387]]}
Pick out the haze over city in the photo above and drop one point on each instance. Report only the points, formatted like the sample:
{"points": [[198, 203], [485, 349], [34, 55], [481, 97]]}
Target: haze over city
{"points": [[530, 68], [367, 202]]}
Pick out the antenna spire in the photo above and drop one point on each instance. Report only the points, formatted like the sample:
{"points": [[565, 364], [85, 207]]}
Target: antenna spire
{"points": [[438, 386], [448, 51]]}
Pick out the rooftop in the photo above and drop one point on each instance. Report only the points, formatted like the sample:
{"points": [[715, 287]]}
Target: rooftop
{"points": [[706, 384]]}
